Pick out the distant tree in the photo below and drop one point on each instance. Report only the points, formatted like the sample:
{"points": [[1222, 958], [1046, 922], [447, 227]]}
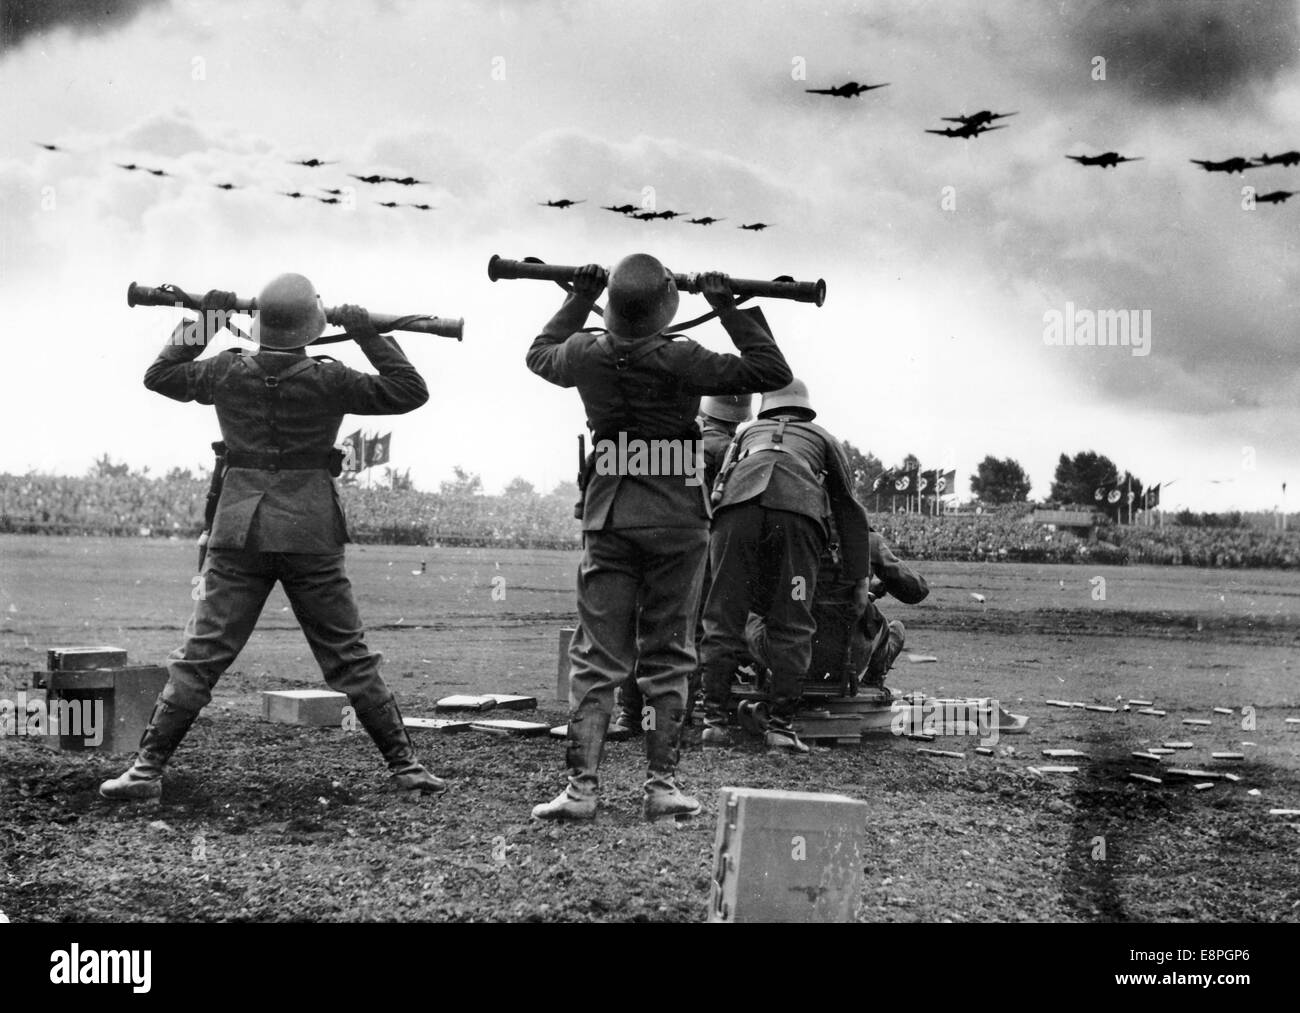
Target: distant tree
{"points": [[1077, 479], [519, 488], [398, 480], [464, 484], [863, 468], [179, 475], [1000, 481], [910, 462], [105, 467], [566, 491]]}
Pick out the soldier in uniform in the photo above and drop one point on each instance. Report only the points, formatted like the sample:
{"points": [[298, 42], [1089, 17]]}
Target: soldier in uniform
{"points": [[851, 647], [719, 416], [278, 517], [790, 485], [644, 535]]}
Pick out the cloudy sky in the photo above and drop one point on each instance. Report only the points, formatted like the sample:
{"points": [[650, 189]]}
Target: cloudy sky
{"points": [[942, 257]]}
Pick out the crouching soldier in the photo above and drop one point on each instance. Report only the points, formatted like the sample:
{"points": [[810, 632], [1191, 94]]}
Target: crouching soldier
{"points": [[278, 517], [788, 486], [644, 533]]}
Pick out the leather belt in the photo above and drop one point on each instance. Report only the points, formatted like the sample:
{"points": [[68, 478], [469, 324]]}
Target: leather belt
{"points": [[276, 461]]}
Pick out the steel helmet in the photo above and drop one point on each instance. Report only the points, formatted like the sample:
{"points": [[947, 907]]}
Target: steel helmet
{"points": [[288, 314], [728, 407], [793, 395], [642, 297]]}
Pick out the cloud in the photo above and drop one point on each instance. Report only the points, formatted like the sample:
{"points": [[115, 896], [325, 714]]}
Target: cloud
{"points": [[21, 19]]}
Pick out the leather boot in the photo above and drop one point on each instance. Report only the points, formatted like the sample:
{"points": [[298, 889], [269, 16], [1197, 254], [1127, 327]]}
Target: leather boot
{"points": [[781, 736], [717, 730], [384, 725], [662, 795], [627, 714], [143, 781], [587, 729]]}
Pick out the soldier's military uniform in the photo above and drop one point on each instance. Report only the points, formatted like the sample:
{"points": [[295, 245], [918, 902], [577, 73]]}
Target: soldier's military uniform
{"points": [[278, 517], [789, 488], [849, 647], [644, 536]]}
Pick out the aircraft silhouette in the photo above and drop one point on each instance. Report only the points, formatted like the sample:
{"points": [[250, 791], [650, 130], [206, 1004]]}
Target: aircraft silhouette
{"points": [[755, 227], [979, 119], [622, 209], [1286, 158], [1107, 160], [850, 90], [670, 215], [55, 147], [562, 203], [129, 168], [405, 180], [706, 220], [295, 194], [225, 186], [157, 172], [330, 200], [387, 203], [422, 207], [312, 163], [645, 216], [967, 131], [333, 193], [1276, 197], [1228, 165], [370, 179]]}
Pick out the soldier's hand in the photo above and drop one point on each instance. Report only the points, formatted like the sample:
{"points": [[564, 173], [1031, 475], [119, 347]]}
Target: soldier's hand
{"points": [[215, 299], [355, 321], [589, 281], [716, 288], [861, 595]]}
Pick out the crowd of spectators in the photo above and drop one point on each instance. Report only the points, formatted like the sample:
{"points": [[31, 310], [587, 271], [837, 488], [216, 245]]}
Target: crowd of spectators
{"points": [[137, 504]]}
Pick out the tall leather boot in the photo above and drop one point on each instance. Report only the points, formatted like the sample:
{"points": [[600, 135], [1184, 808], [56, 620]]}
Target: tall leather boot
{"points": [[143, 781], [627, 712], [587, 728], [384, 724], [662, 795]]}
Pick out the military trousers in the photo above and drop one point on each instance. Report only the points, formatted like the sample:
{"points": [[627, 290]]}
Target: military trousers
{"points": [[638, 593], [765, 562], [235, 585]]}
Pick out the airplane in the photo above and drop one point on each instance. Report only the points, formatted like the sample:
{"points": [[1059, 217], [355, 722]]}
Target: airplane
{"points": [[850, 90], [369, 179], [55, 147], [706, 220], [157, 172], [645, 216], [1228, 165], [225, 186], [131, 167], [312, 163], [755, 227], [562, 203], [670, 215], [422, 207], [979, 119], [1107, 160], [405, 180], [1286, 158], [387, 203], [967, 132], [1276, 197], [333, 193], [330, 200], [622, 209], [295, 195]]}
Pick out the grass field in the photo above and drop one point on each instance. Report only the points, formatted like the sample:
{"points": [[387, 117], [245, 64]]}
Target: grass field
{"points": [[267, 822]]}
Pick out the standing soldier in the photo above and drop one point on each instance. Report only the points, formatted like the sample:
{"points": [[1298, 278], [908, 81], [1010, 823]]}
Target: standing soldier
{"points": [[719, 416], [788, 488], [645, 536], [278, 517]]}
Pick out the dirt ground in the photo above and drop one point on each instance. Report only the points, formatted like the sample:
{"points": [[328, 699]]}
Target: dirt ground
{"points": [[269, 822]]}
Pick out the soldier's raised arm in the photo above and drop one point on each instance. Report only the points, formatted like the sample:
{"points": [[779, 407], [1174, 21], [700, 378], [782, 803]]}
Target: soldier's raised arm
{"points": [[760, 366], [174, 373], [399, 388], [546, 355]]}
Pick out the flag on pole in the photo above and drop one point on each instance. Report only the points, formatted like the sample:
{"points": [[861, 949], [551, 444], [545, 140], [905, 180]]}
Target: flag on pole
{"points": [[1113, 496], [925, 481], [884, 480], [377, 450], [905, 481], [945, 484], [1153, 496], [353, 453]]}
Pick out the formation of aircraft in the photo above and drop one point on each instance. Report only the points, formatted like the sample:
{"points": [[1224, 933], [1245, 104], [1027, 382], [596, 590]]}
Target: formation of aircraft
{"points": [[1286, 158], [1228, 165], [706, 220]]}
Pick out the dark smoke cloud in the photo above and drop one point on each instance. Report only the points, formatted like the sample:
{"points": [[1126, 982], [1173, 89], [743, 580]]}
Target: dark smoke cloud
{"points": [[1174, 51], [20, 19]]}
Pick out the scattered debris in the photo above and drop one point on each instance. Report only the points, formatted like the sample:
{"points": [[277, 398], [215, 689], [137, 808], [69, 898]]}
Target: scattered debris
{"points": [[919, 659], [1200, 722], [1160, 751], [1056, 770], [1271, 812], [466, 703], [1203, 785], [1223, 710], [1152, 711], [435, 724], [524, 729], [1141, 703], [1057, 754], [1180, 745], [1102, 708], [943, 752], [1227, 756], [1145, 778], [983, 751], [1146, 756]]}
